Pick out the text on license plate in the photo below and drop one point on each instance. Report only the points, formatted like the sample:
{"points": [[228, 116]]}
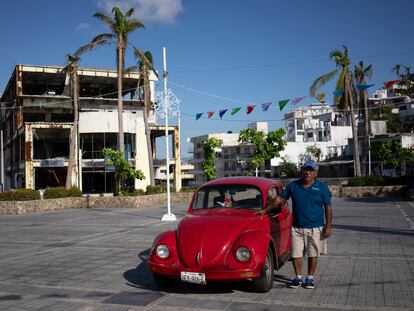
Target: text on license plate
{"points": [[193, 277]]}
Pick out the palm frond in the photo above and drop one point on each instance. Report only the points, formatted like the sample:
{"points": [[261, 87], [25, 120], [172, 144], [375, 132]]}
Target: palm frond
{"points": [[368, 72], [118, 16], [340, 85], [129, 13], [321, 81], [147, 61], [105, 18], [396, 69], [133, 24], [88, 47], [104, 37]]}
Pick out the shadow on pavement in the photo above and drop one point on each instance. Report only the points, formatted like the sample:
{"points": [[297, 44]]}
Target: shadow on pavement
{"points": [[374, 230], [374, 199], [141, 278]]}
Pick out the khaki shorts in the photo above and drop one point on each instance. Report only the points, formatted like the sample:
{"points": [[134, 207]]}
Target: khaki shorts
{"points": [[309, 242]]}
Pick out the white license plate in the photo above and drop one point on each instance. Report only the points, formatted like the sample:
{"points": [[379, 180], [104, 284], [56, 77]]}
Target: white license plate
{"points": [[193, 277]]}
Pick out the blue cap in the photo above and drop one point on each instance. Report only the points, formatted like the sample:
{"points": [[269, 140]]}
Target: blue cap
{"points": [[310, 164]]}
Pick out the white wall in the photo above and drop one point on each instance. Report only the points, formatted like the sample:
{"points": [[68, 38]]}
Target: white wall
{"points": [[106, 121]]}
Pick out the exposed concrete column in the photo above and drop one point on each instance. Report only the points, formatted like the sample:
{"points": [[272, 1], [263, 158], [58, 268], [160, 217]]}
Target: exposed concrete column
{"points": [[28, 156], [177, 156]]}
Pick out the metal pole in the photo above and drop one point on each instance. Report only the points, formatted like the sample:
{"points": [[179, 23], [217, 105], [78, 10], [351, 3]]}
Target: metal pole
{"points": [[2, 160], [168, 216], [369, 154]]}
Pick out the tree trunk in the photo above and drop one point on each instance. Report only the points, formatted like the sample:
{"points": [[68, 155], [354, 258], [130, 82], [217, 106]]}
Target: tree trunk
{"points": [[357, 164], [72, 165], [147, 104], [120, 63]]}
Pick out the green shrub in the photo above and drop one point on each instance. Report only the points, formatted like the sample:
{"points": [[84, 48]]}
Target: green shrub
{"points": [[157, 189], [61, 192], [133, 192], [372, 181], [74, 192], [54, 193], [189, 188], [20, 195]]}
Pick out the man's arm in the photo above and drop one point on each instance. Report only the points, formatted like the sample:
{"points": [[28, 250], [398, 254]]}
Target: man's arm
{"points": [[327, 229], [272, 204]]}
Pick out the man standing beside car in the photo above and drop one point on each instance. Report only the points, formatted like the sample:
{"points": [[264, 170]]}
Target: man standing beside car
{"points": [[311, 200]]}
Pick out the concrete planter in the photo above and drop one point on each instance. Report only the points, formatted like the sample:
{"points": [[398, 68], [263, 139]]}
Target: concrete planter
{"points": [[371, 191], [25, 207]]}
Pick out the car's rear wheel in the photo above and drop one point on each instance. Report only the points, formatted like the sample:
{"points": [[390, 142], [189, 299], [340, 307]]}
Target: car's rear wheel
{"points": [[264, 282], [163, 281]]}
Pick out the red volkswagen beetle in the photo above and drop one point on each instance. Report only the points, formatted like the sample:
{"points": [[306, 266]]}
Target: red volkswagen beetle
{"points": [[222, 238]]}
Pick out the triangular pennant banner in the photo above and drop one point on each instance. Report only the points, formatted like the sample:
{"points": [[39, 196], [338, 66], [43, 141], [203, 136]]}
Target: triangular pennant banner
{"points": [[361, 87], [210, 114], [338, 92], [388, 84], [283, 103], [250, 108], [265, 106], [222, 112], [297, 100], [235, 110], [198, 115]]}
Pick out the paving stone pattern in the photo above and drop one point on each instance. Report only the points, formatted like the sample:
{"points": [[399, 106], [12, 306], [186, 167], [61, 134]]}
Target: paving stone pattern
{"points": [[95, 259]]}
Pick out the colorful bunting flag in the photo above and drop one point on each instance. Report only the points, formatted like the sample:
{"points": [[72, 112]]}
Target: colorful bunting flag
{"points": [[250, 108], [361, 87], [338, 92], [198, 115], [235, 110], [283, 103], [266, 106], [297, 100], [210, 114], [388, 84], [222, 112]]}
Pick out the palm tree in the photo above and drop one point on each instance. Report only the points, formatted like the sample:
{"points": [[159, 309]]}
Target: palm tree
{"points": [[363, 73], [346, 100], [396, 69], [71, 70], [120, 26], [145, 65]]}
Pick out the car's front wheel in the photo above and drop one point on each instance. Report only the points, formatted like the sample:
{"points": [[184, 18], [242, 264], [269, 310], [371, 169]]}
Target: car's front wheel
{"points": [[264, 282], [163, 281]]}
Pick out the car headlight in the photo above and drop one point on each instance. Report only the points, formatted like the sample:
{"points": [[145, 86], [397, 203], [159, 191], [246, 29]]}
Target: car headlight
{"points": [[162, 251], [243, 254]]}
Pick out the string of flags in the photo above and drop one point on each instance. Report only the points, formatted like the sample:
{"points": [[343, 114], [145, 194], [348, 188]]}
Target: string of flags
{"points": [[282, 103], [250, 108]]}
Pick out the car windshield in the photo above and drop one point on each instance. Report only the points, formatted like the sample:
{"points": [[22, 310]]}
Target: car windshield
{"points": [[228, 196]]}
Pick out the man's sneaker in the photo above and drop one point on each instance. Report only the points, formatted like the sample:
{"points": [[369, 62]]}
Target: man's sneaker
{"points": [[309, 283], [296, 282]]}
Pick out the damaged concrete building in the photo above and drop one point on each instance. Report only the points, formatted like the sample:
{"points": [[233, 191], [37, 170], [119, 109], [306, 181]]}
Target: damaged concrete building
{"points": [[37, 119]]}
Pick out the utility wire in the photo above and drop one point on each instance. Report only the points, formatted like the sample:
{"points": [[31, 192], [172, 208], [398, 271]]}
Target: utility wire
{"points": [[284, 63]]}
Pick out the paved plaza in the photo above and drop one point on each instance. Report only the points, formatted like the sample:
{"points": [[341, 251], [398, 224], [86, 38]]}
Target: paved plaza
{"points": [[95, 259]]}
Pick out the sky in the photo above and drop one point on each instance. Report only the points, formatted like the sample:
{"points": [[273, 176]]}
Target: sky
{"points": [[221, 54]]}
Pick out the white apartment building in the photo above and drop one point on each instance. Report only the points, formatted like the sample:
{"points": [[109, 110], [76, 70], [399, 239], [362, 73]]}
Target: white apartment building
{"points": [[232, 157], [314, 125]]}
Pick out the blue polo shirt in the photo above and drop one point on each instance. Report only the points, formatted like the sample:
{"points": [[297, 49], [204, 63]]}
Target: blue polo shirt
{"points": [[307, 209]]}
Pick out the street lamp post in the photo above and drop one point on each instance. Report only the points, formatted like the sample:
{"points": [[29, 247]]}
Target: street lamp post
{"points": [[167, 105]]}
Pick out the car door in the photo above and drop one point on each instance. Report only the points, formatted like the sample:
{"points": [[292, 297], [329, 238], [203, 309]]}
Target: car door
{"points": [[280, 225]]}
